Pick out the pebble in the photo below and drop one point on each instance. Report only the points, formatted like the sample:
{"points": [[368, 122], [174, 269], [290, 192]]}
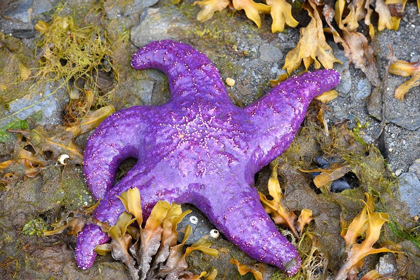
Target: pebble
{"points": [[345, 84], [270, 53], [386, 265], [363, 89], [230, 82], [145, 91]]}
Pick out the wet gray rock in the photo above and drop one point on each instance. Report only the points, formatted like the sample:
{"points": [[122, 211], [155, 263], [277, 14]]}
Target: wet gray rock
{"points": [[19, 11], [131, 9], [21, 16], [411, 122], [46, 106], [345, 85], [270, 53], [410, 192], [155, 24], [201, 227], [146, 91], [363, 89], [387, 265], [415, 168], [402, 149], [346, 81], [42, 6]]}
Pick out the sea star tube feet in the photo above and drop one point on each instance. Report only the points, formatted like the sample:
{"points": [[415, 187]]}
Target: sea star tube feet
{"points": [[201, 149]]}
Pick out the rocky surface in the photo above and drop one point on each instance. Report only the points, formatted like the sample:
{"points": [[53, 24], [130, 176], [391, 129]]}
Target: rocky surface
{"points": [[240, 51]]}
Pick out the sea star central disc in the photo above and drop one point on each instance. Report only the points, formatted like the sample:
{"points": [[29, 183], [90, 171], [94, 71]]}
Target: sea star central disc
{"points": [[201, 149]]}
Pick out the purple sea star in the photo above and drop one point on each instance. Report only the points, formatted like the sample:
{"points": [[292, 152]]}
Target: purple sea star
{"points": [[201, 149]]}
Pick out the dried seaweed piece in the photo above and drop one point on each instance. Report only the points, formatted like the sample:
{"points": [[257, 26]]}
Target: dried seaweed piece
{"points": [[243, 269], [155, 253], [55, 142], [151, 236], [169, 234], [327, 96], [356, 12], [121, 242], [406, 69], [252, 9], [384, 14], [304, 219], [275, 207], [334, 172], [202, 245], [312, 47], [208, 7], [281, 12], [368, 223], [355, 44]]}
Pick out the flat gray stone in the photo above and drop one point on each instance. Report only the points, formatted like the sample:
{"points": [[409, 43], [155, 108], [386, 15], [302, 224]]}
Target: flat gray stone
{"points": [[408, 122], [156, 25], [47, 104], [132, 8], [270, 53], [146, 91], [415, 168], [410, 192], [363, 89], [20, 11]]}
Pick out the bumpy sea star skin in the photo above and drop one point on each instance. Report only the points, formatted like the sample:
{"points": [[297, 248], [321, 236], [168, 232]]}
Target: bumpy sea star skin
{"points": [[201, 149]]}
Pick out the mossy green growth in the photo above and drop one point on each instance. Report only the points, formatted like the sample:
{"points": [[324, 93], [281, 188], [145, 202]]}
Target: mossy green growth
{"points": [[412, 234], [75, 194], [18, 124], [35, 227]]}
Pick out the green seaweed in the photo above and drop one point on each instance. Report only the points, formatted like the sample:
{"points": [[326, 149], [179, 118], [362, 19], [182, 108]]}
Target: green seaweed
{"points": [[35, 227], [18, 124]]}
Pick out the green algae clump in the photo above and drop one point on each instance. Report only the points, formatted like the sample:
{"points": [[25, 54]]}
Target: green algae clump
{"points": [[69, 51]]}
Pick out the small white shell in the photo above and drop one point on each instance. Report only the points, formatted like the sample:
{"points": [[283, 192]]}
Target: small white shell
{"points": [[193, 220], [214, 233], [62, 159]]}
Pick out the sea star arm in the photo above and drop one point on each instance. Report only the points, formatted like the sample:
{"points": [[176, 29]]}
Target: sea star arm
{"points": [[189, 72], [117, 138], [279, 113], [240, 217]]}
